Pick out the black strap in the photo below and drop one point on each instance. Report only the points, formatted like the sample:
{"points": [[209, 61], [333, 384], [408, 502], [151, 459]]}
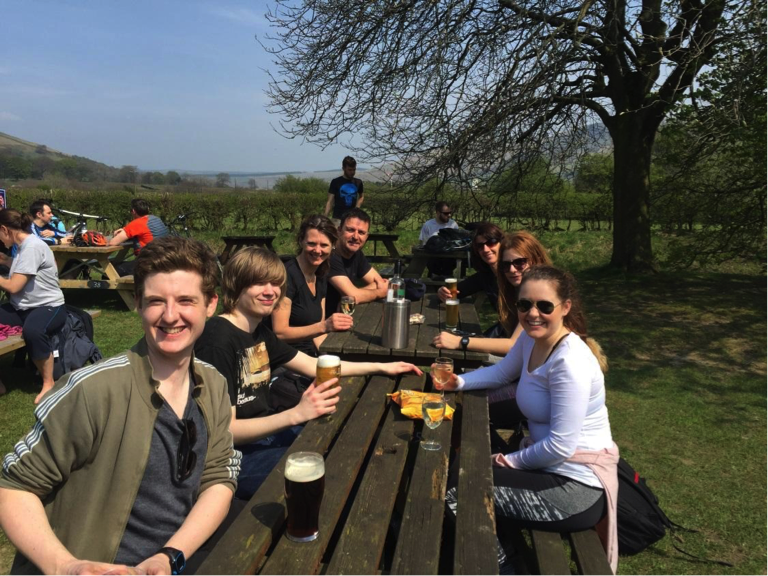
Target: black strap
{"points": [[555, 347], [697, 558]]}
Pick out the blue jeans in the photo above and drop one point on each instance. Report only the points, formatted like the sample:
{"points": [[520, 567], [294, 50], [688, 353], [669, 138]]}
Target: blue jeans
{"points": [[260, 457]]}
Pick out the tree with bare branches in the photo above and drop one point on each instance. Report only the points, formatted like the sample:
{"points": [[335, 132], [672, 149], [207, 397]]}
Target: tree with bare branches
{"points": [[463, 89]]}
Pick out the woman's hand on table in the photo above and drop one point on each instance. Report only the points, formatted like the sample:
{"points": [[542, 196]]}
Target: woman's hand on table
{"points": [[395, 368], [338, 322], [447, 340], [451, 385], [318, 400]]}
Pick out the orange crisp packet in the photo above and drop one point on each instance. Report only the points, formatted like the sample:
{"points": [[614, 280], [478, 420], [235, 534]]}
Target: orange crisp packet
{"points": [[410, 404]]}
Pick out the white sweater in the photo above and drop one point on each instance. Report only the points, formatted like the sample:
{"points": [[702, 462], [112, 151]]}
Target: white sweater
{"points": [[563, 399]]}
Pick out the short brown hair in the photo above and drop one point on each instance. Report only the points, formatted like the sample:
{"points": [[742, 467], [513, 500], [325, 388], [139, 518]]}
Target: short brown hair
{"points": [[170, 253], [250, 266]]}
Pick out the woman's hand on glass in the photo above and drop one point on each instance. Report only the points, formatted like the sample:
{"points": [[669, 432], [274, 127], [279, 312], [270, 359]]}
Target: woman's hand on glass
{"points": [[451, 385], [447, 340], [443, 293], [338, 322]]}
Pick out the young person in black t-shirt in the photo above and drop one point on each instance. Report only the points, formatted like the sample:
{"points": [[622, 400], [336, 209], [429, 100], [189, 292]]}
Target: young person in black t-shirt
{"points": [[247, 353], [345, 192], [351, 274], [300, 318]]}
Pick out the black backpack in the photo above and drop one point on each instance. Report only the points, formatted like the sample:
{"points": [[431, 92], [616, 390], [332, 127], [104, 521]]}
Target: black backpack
{"points": [[641, 521], [448, 240]]}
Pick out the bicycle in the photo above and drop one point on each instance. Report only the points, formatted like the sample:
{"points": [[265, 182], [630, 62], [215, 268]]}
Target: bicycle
{"points": [[75, 269]]}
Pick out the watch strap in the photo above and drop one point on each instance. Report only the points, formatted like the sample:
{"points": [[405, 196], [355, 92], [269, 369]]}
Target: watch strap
{"points": [[176, 557], [464, 342]]}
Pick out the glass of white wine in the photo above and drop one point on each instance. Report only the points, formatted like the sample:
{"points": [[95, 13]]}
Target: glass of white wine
{"points": [[348, 305], [442, 371], [433, 410]]}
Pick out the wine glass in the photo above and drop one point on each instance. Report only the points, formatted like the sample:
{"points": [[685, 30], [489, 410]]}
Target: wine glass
{"points": [[348, 305], [432, 410], [442, 371]]}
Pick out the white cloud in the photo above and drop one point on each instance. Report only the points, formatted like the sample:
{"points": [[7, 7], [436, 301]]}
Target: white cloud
{"points": [[239, 15], [9, 117]]}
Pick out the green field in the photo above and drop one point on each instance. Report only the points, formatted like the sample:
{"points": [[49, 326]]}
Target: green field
{"points": [[686, 393]]}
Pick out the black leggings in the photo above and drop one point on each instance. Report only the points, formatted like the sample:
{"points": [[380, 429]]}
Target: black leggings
{"points": [[39, 324]]}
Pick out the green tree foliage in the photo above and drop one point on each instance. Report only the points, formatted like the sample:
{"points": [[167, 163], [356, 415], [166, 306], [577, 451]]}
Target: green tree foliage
{"points": [[172, 178], [295, 185], [222, 180], [15, 167]]}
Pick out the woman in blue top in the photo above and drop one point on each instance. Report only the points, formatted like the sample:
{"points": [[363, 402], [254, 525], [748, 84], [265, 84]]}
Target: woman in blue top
{"points": [[37, 302], [300, 318]]}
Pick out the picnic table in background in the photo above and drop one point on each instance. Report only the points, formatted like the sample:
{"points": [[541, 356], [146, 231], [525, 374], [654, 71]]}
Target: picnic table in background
{"points": [[420, 258], [363, 342], [234, 243], [103, 259], [388, 240]]}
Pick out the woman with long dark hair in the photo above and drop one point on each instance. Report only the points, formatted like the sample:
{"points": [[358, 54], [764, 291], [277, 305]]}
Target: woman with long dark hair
{"points": [[37, 302], [300, 318], [563, 478], [517, 252]]}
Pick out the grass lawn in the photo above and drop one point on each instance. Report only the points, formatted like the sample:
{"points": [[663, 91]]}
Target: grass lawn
{"points": [[686, 394]]}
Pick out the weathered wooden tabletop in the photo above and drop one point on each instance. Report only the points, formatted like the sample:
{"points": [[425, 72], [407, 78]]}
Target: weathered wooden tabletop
{"points": [[363, 342], [383, 508]]}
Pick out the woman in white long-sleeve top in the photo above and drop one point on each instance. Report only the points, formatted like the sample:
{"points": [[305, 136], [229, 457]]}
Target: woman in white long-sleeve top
{"points": [[548, 484]]}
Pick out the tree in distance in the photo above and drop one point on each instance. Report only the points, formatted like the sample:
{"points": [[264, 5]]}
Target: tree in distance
{"points": [[460, 89], [222, 180]]}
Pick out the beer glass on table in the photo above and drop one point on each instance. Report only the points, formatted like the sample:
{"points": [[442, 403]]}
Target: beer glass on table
{"points": [[452, 284], [432, 410], [328, 367], [442, 372], [451, 314], [348, 305], [304, 487]]}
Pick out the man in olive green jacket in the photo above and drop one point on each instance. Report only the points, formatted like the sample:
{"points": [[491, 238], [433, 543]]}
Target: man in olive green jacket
{"points": [[130, 461]]}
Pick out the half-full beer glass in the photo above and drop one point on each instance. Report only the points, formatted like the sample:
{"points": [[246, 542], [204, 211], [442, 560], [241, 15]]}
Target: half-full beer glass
{"points": [[328, 367], [451, 314], [304, 487], [453, 287]]}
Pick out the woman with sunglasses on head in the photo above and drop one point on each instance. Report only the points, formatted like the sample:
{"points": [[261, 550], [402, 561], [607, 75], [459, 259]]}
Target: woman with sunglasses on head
{"points": [[563, 478], [515, 253]]}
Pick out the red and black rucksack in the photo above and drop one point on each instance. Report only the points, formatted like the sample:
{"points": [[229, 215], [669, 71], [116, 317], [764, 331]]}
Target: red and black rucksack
{"points": [[641, 521], [91, 238]]}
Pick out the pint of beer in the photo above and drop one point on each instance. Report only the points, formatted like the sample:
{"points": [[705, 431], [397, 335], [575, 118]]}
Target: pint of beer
{"points": [[328, 367], [304, 487], [453, 286], [451, 314]]}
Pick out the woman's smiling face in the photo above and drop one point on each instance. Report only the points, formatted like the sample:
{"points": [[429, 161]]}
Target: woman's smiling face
{"points": [[535, 323], [514, 275]]}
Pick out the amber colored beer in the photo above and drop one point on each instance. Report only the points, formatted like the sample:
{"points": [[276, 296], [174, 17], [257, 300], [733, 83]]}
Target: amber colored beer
{"points": [[304, 487], [328, 367], [453, 287], [451, 314]]}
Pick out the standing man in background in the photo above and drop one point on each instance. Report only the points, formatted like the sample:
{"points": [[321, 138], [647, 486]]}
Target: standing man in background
{"points": [[345, 192]]}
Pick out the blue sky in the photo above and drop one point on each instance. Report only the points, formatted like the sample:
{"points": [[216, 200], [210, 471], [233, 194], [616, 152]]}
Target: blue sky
{"points": [[162, 85]]}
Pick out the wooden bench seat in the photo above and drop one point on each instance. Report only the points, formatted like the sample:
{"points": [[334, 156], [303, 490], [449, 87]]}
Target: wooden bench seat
{"points": [[17, 342]]}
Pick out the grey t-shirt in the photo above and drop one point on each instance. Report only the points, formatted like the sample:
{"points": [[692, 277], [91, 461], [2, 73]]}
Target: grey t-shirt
{"points": [[42, 289]]}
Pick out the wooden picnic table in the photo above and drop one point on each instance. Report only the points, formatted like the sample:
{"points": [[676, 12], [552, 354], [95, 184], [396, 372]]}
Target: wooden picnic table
{"points": [[234, 243], [388, 240], [363, 342], [102, 257], [382, 511], [420, 258]]}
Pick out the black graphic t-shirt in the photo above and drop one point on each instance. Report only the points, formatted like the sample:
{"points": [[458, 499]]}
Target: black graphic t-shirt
{"points": [[245, 360], [345, 194], [355, 268]]}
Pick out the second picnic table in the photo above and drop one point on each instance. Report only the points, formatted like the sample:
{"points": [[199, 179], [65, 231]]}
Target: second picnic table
{"points": [[234, 243]]}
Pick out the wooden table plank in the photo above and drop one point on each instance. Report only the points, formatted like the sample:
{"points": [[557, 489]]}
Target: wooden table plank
{"points": [[550, 553], [431, 328], [251, 534], [475, 514], [361, 544], [589, 553], [418, 544], [366, 323], [341, 469]]}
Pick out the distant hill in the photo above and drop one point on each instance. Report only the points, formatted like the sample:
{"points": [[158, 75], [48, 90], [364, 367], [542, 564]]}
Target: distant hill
{"points": [[19, 147]]}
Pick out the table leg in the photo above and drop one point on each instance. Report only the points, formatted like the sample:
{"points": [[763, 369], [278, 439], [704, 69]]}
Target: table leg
{"points": [[225, 255], [127, 293], [390, 245]]}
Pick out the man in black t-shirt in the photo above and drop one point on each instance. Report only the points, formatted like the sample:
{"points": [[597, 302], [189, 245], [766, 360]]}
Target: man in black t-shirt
{"points": [[351, 274], [345, 192], [247, 353]]}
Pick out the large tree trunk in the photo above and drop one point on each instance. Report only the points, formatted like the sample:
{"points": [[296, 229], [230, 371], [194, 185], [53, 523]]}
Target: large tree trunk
{"points": [[632, 143]]}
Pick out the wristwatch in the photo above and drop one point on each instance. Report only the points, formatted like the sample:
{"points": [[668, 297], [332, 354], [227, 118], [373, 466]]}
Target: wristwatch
{"points": [[464, 342], [178, 561]]}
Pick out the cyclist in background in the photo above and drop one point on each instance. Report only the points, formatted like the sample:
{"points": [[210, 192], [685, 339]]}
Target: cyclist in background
{"points": [[144, 228]]}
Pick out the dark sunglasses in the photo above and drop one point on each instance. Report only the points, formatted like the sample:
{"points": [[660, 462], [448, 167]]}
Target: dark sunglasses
{"points": [[446, 213], [185, 456], [518, 263], [490, 242], [544, 306]]}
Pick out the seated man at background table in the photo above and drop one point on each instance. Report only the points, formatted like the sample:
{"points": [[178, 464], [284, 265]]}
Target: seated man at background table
{"points": [[144, 228], [249, 355], [351, 274], [442, 219], [42, 224], [130, 461]]}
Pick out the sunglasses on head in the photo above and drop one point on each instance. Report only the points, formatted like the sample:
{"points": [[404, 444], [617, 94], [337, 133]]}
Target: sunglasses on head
{"points": [[185, 456], [544, 306], [490, 242], [518, 263]]}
